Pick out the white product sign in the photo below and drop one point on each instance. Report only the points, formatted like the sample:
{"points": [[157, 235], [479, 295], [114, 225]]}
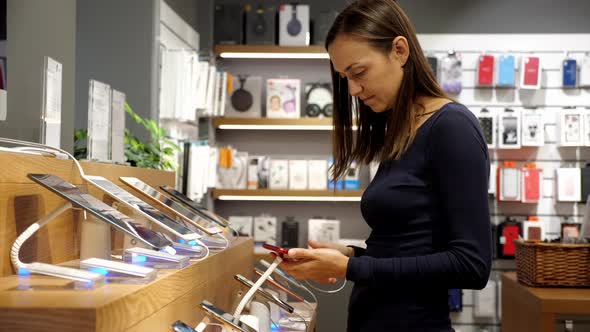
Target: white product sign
{"points": [[99, 114], [51, 112], [118, 127]]}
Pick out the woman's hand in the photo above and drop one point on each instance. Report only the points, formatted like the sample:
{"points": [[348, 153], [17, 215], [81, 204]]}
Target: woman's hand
{"points": [[322, 265], [346, 251]]}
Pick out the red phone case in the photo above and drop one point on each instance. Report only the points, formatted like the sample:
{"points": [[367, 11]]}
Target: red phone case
{"points": [[485, 72], [510, 233], [532, 185], [531, 71], [278, 250]]}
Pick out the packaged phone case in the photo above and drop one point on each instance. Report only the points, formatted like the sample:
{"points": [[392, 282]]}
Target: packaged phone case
{"points": [[485, 70], [506, 69], [487, 121], [585, 71], [507, 231], [451, 74], [570, 73], [530, 77]]}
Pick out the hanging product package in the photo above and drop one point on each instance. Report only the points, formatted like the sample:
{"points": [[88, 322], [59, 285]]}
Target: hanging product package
{"points": [[451, 74], [506, 69], [585, 71], [570, 72], [485, 70]]}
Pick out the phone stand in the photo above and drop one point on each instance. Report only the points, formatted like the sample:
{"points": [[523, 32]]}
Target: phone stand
{"points": [[95, 237], [82, 279]]}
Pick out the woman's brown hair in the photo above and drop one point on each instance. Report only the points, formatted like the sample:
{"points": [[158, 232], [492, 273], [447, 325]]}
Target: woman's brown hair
{"points": [[384, 135]]}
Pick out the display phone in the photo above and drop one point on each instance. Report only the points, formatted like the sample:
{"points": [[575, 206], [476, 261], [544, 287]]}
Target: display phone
{"points": [[280, 251], [101, 210], [224, 318], [144, 209], [171, 206], [282, 274], [196, 208], [180, 326], [273, 298], [279, 286]]}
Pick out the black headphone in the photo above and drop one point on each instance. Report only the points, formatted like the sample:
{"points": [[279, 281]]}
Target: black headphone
{"points": [[259, 26], [241, 99], [319, 100], [294, 25]]}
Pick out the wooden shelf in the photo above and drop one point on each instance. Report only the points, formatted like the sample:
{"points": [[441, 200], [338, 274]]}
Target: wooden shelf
{"points": [[273, 124], [270, 49], [287, 195]]}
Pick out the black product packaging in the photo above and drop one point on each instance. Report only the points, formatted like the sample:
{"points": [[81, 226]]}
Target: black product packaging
{"points": [[290, 233], [228, 24], [585, 171], [260, 24]]}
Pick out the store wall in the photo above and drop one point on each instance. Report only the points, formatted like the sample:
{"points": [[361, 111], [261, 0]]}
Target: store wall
{"points": [[38, 28], [116, 44]]}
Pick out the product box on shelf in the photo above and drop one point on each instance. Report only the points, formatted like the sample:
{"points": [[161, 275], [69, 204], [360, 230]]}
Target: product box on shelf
{"points": [[265, 229], [282, 98], [294, 25], [245, 101]]}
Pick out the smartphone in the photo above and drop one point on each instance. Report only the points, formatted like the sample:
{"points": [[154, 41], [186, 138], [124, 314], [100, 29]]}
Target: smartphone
{"points": [[223, 317], [280, 251], [101, 210], [248, 283], [196, 208], [279, 286], [282, 274], [180, 326], [171, 206], [144, 209]]}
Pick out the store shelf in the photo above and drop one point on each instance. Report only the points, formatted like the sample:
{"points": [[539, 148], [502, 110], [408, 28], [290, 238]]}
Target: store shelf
{"points": [[273, 124], [270, 52], [288, 195]]}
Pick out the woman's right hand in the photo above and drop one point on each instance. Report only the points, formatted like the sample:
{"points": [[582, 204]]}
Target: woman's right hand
{"points": [[346, 251]]}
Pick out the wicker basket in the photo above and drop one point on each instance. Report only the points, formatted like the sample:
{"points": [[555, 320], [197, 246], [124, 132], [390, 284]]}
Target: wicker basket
{"points": [[553, 264]]}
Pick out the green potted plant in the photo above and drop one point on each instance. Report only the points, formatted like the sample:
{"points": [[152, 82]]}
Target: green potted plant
{"points": [[157, 153]]}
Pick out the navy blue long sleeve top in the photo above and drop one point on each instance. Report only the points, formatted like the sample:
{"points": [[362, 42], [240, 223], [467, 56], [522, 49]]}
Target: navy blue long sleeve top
{"points": [[430, 228]]}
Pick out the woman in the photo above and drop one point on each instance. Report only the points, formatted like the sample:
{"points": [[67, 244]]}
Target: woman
{"points": [[427, 205]]}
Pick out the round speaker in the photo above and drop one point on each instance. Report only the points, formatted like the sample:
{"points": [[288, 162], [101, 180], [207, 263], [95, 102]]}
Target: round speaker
{"points": [[241, 99]]}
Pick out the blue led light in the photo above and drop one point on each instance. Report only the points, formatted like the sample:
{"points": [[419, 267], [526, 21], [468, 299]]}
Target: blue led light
{"points": [[138, 259], [181, 241], [99, 270], [274, 327], [192, 243], [24, 272]]}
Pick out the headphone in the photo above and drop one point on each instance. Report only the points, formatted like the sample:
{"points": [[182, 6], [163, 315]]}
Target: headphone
{"points": [[294, 25], [241, 99], [259, 26], [319, 100]]}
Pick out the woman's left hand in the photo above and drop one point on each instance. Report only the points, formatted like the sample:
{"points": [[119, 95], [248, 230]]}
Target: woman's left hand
{"points": [[321, 265]]}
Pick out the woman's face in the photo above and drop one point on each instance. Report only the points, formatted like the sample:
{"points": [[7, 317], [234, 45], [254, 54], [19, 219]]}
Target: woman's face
{"points": [[374, 77]]}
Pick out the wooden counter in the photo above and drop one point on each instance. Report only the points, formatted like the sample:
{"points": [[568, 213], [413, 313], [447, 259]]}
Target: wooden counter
{"points": [[536, 309], [175, 294]]}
